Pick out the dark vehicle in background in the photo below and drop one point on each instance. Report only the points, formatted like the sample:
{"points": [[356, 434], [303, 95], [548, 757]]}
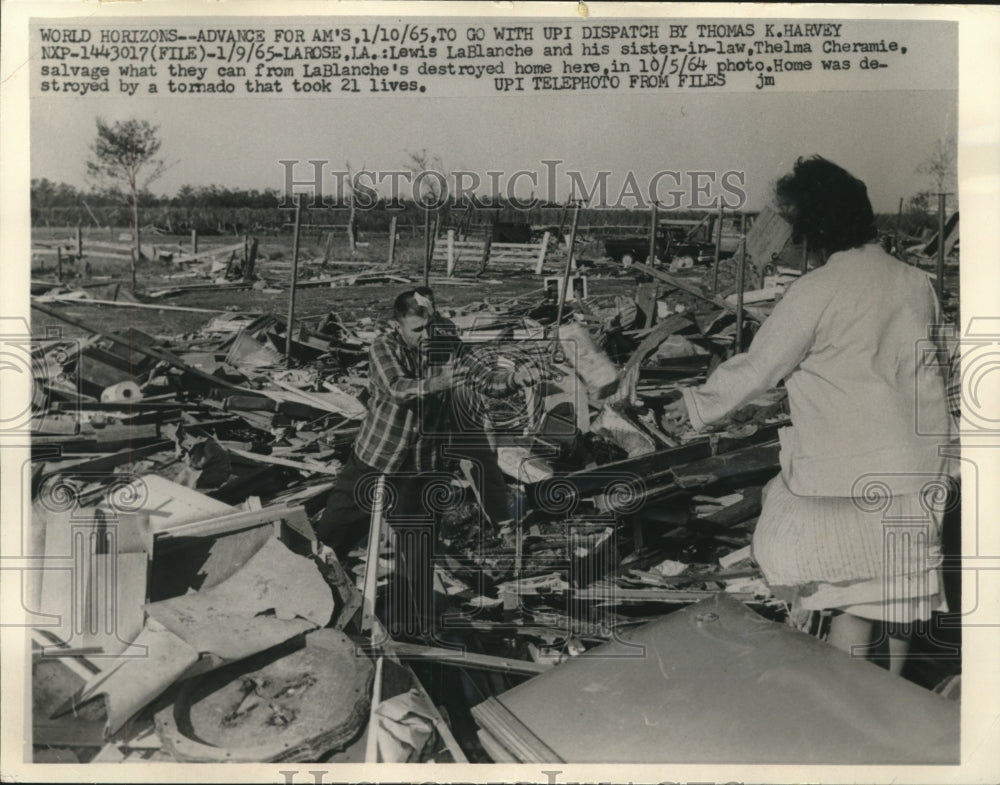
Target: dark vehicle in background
{"points": [[676, 239], [511, 232], [672, 243]]}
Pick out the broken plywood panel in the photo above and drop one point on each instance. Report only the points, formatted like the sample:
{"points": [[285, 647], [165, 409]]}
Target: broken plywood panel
{"points": [[273, 597], [766, 239], [267, 601], [662, 690], [170, 504]]}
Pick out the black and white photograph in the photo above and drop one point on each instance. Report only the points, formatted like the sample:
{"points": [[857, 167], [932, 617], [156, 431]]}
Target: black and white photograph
{"points": [[543, 392]]}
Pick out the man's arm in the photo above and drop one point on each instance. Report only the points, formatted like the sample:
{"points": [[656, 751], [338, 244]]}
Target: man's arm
{"points": [[400, 383], [496, 375]]}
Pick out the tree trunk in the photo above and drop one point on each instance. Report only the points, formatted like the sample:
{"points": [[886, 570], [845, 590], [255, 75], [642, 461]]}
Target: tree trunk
{"points": [[135, 238]]}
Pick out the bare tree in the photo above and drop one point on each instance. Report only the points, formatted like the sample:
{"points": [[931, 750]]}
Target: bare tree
{"points": [[430, 188], [352, 204], [431, 191], [942, 165], [125, 160]]}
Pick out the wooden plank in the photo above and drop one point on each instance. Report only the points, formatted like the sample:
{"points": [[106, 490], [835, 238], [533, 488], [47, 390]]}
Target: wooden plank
{"points": [[116, 594], [223, 524], [512, 734], [133, 345], [744, 463], [368, 617], [68, 300], [210, 252], [371, 743], [302, 466], [467, 659], [686, 286], [541, 254], [67, 732]]}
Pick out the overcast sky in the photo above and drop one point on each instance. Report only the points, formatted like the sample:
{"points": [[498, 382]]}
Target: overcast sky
{"points": [[881, 137]]}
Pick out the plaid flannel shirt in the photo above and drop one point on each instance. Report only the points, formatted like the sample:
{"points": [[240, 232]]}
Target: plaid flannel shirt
{"points": [[392, 431], [405, 420]]}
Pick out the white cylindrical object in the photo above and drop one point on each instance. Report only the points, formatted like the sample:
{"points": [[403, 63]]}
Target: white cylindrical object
{"points": [[121, 393], [589, 361]]}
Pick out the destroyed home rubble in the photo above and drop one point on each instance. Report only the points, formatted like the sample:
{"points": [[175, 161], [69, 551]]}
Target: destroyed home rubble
{"points": [[192, 466]]}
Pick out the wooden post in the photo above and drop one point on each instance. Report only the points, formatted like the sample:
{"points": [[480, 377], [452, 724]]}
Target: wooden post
{"points": [[251, 261], [246, 250], [541, 254], [371, 565], [434, 233], [194, 241], [740, 273], [392, 241], [427, 245], [652, 235], [451, 252], [58, 264], [899, 227], [566, 274], [718, 251], [562, 217], [295, 273], [940, 249], [79, 243], [487, 245], [805, 256]]}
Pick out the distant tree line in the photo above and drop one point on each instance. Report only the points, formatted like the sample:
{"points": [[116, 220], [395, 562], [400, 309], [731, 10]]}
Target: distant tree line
{"points": [[218, 209]]}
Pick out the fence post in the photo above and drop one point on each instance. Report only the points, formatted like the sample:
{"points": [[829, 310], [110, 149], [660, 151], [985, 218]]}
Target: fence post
{"points": [[451, 252], [392, 240], [652, 236], [295, 275], [718, 252], [541, 254], [194, 241], [940, 249], [427, 245], [740, 283]]}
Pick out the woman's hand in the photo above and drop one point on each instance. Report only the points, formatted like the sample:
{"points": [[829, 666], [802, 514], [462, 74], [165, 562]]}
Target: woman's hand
{"points": [[675, 416]]}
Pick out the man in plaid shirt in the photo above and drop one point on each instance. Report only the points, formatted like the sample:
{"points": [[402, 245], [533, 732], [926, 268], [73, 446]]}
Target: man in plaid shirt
{"points": [[398, 439], [391, 440]]}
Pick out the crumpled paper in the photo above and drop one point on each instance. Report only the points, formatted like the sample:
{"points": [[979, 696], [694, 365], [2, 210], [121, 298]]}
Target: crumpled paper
{"points": [[405, 727]]}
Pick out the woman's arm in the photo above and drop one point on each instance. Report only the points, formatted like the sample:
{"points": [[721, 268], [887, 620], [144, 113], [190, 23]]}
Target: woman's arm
{"points": [[777, 349]]}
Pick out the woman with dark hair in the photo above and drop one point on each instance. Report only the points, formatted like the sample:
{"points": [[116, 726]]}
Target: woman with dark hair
{"points": [[851, 524]]}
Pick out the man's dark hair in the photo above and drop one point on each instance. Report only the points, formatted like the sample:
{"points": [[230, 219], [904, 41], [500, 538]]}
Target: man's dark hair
{"points": [[826, 206], [425, 291], [406, 304]]}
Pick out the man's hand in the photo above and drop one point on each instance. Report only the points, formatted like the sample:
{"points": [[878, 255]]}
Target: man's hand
{"points": [[532, 373], [442, 379]]}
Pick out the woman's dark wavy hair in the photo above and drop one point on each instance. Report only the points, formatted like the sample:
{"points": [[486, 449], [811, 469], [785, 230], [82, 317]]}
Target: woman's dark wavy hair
{"points": [[826, 206]]}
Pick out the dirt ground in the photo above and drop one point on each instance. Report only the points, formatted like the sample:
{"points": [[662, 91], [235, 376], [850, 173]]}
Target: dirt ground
{"points": [[349, 301]]}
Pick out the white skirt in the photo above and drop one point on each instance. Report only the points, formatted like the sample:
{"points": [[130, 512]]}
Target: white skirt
{"points": [[879, 559]]}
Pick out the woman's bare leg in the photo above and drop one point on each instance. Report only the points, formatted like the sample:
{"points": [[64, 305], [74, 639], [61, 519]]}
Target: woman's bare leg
{"points": [[852, 634]]}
